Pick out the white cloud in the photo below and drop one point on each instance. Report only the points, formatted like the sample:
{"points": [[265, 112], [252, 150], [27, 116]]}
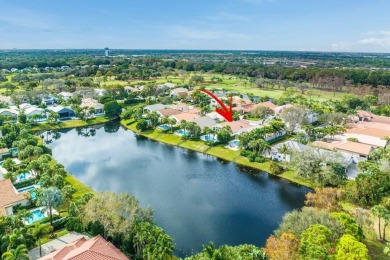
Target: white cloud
{"points": [[378, 33], [373, 41]]}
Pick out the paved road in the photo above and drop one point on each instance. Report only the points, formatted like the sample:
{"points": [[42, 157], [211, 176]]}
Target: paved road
{"points": [[55, 244]]}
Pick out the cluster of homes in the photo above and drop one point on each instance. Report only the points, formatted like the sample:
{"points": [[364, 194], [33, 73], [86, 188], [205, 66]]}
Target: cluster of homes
{"points": [[33, 112], [364, 133], [213, 120]]}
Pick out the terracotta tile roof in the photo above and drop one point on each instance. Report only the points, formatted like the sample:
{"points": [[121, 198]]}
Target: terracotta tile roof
{"points": [[169, 112], [192, 111], [353, 147], [9, 195], [362, 113], [268, 104], [237, 126], [185, 116], [96, 248], [369, 131], [380, 119]]}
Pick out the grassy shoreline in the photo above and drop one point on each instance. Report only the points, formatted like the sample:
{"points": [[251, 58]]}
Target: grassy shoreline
{"points": [[70, 124], [218, 151]]}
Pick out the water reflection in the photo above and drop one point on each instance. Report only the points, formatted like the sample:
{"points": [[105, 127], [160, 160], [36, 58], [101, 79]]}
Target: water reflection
{"points": [[197, 198]]}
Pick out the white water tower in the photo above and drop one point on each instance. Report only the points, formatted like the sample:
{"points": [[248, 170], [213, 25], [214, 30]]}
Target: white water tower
{"points": [[106, 51]]}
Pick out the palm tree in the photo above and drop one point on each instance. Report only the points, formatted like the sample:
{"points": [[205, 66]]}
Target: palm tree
{"points": [[50, 198], [20, 253], [244, 140], [38, 231], [171, 122], [284, 149]]}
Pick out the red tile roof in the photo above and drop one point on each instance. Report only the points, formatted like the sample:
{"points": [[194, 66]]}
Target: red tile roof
{"points": [[9, 195], [96, 248]]}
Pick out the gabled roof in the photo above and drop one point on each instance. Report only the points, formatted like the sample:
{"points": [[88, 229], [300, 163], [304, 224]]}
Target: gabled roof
{"points": [[96, 248], [9, 195], [185, 116], [205, 121], [58, 109], [179, 90], [155, 107], [353, 147], [237, 126], [169, 112]]}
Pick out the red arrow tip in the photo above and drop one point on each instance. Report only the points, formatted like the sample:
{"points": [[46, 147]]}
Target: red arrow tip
{"points": [[227, 114]]}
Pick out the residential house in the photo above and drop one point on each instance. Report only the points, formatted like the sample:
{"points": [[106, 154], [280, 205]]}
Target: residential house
{"points": [[216, 116], [237, 127], [9, 112], [129, 89], [278, 110], [188, 117], [248, 108], [154, 107], [205, 121], [167, 85], [87, 103], [65, 95], [277, 154], [181, 106], [96, 248], [34, 111], [349, 161], [48, 100], [6, 100], [64, 112], [179, 92], [352, 148], [10, 197], [168, 112]]}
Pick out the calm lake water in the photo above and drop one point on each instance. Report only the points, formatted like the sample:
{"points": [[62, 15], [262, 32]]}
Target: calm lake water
{"points": [[197, 198]]}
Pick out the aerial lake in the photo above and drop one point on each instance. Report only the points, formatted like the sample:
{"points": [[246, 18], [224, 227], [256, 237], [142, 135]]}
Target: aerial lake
{"points": [[196, 198]]}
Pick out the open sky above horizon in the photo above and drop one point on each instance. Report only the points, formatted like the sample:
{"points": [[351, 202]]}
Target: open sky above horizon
{"points": [[300, 25]]}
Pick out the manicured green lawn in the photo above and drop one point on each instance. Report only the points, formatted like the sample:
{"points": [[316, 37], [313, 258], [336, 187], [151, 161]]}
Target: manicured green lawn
{"points": [[80, 187], [169, 139], [71, 124], [198, 146], [290, 175], [244, 161], [222, 152]]}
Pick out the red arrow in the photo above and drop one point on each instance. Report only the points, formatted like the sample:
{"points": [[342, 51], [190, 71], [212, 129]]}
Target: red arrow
{"points": [[225, 112]]}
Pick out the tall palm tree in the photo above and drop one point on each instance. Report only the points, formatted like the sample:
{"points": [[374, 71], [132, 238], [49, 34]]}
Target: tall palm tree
{"points": [[38, 231], [20, 253], [50, 198], [171, 122]]}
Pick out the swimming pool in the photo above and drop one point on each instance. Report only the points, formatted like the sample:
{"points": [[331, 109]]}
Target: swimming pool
{"points": [[24, 176], [36, 215], [212, 138], [235, 142], [28, 188], [13, 150], [182, 132], [164, 127]]}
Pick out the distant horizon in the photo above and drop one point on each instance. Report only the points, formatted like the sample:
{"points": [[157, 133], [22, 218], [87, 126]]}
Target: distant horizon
{"points": [[355, 26], [215, 50]]}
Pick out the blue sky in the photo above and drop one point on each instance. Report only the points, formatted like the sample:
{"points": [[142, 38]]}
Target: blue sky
{"points": [[312, 25]]}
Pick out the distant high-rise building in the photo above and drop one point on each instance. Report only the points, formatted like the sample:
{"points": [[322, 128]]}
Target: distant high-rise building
{"points": [[106, 51]]}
